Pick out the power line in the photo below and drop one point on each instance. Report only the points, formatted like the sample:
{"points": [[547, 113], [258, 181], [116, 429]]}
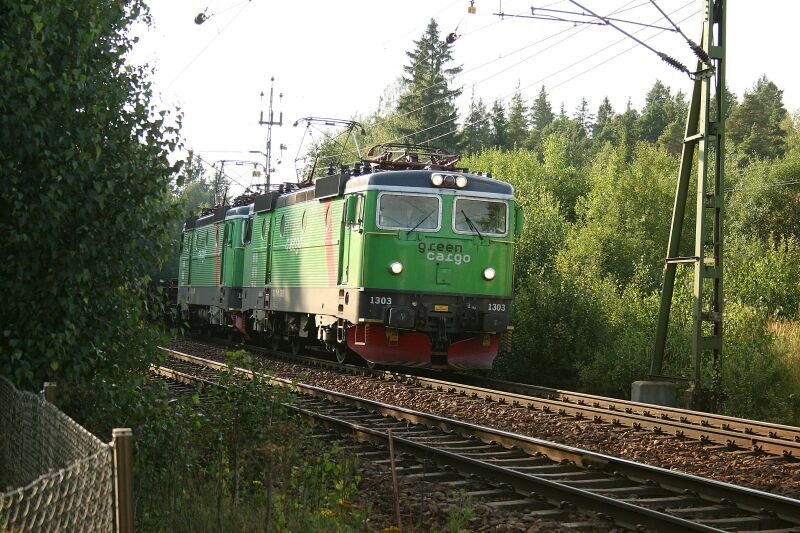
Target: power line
{"points": [[583, 18], [664, 57], [208, 45], [571, 31], [577, 63], [618, 54], [764, 186], [541, 80], [697, 49], [221, 170]]}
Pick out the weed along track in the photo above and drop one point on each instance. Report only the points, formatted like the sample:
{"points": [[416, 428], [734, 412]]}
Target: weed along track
{"points": [[541, 477]]}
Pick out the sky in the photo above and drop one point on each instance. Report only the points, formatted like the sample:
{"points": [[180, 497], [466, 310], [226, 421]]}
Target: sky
{"points": [[339, 59]]}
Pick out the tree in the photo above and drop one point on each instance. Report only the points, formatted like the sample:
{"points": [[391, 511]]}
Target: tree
{"points": [[192, 192], [517, 121], [755, 125], [623, 216], [86, 192], [427, 96], [584, 118], [499, 124], [622, 129], [541, 111], [477, 131], [601, 134], [191, 172], [765, 203], [659, 110], [542, 122]]}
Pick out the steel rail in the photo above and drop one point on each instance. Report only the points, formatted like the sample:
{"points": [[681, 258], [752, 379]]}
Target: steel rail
{"points": [[708, 428], [760, 437], [718, 495]]}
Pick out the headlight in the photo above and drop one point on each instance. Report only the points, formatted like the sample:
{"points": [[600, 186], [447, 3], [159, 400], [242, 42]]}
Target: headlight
{"points": [[461, 182], [488, 273], [396, 267], [437, 180]]}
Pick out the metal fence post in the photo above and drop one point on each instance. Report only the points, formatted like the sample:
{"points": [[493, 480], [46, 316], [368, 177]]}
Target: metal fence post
{"points": [[123, 478]]}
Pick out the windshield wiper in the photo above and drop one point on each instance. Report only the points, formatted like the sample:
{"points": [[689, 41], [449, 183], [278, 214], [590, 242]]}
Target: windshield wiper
{"points": [[471, 225], [420, 223]]}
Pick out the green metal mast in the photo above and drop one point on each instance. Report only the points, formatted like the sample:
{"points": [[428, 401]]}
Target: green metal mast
{"points": [[705, 133]]}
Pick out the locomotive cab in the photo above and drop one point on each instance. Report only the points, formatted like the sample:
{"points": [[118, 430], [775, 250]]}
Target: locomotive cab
{"points": [[436, 269]]}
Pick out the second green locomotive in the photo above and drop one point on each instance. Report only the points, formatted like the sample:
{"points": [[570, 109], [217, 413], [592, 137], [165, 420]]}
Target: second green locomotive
{"points": [[399, 261]]}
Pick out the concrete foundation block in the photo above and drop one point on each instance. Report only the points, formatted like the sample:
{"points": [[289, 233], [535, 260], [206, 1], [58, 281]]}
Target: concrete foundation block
{"points": [[655, 392]]}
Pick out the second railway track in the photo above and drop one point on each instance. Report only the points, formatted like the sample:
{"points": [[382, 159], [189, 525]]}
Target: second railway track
{"points": [[634, 495], [708, 428]]}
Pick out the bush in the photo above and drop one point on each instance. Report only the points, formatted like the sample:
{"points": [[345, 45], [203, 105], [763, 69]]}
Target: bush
{"points": [[232, 459], [764, 275], [756, 380], [553, 319]]}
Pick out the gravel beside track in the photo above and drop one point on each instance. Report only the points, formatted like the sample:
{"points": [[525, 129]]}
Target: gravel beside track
{"points": [[769, 474]]}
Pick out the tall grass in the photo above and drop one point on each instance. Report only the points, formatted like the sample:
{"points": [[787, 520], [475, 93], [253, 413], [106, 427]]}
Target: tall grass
{"points": [[786, 334], [235, 459]]}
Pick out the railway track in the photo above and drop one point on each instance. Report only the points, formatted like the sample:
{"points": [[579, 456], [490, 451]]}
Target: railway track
{"points": [[708, 428], [543, 474], [730, 433]]}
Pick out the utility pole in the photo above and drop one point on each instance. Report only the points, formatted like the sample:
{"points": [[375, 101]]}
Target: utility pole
{"points": [[705, 133], [269, 123]]}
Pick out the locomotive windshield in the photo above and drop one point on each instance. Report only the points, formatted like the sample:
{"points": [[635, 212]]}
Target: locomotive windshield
{"points": [[481, 217], [411, 212]]}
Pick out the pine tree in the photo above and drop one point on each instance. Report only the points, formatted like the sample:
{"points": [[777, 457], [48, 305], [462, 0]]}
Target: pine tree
{"points": [[541, 111], [584, 118], [499, 124], [623, 128], [657, 113], [755, 125], [601, 134], [427, 96], [192, 171], [477, 127], [671, 138], [517, 121]]}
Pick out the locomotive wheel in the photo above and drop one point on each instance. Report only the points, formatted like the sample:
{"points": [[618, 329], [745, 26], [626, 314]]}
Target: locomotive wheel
{"points": [[341, 351], [274, 343], [296, 344]]}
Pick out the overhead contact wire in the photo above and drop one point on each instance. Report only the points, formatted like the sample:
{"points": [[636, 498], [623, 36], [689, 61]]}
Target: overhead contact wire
{"points": [[664, 57], [576, 63], [697, 49]]}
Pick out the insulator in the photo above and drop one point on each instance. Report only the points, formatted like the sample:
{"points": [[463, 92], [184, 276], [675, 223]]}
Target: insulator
{"points": [[674, 63], [699, 52]]}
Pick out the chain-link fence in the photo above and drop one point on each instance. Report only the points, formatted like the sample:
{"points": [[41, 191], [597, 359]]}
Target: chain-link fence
{"points": [[64, 473]]}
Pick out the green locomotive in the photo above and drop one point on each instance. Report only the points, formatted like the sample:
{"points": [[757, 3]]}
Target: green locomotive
{"points": [[403, 260]]}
